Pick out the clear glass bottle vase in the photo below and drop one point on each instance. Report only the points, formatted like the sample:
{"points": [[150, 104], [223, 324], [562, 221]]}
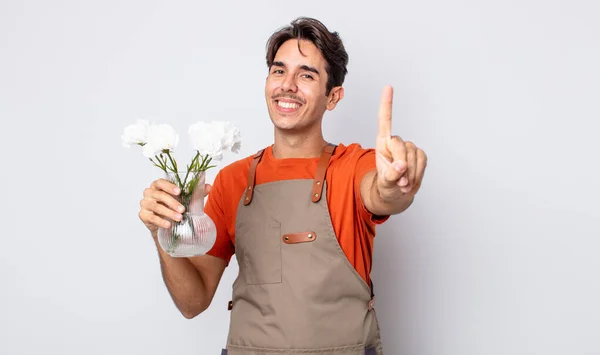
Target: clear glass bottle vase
{"points": [[196, 233]]}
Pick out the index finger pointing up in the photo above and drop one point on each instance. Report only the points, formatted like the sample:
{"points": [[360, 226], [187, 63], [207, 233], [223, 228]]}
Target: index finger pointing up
{"points": [[385, 112]]}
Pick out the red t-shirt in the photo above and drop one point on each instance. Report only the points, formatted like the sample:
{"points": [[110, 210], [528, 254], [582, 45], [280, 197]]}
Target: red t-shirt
{"points": [[353, 224]]}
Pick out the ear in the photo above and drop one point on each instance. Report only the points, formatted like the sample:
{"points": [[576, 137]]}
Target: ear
{"points": [[336, 94]]}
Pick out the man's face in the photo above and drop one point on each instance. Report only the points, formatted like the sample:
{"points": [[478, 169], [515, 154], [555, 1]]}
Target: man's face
{"points": [[296, 86]]}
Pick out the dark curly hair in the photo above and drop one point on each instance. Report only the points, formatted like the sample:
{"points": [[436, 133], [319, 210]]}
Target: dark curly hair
{"points": [[329, 44]]}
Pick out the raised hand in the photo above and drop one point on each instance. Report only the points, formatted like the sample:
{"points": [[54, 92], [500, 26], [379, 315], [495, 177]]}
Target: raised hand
{"points": [[400, 164]]}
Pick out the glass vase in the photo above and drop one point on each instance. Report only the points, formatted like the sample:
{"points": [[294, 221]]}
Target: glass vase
{"points": [[196, 233]]}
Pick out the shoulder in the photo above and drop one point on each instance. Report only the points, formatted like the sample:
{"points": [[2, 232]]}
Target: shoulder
{"points": [[229, 185], [231, 177], [351, 153], [352, 162], [237, 166], [235, 175]]}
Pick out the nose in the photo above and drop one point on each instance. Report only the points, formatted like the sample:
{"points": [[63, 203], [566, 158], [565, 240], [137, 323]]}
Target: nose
{"points": [[289, 84]]}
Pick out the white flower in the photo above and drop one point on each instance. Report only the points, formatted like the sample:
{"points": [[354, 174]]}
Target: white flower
{"points": [[135, 133], [205, 140], [160, 137], [231, 139], [214, 138]]}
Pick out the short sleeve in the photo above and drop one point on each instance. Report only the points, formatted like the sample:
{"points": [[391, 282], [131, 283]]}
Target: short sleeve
{"points": [[215, 209], [364, 164]]}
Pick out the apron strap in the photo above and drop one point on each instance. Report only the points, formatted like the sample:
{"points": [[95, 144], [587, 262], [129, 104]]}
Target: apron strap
{"points": [[321, 170], [251, 177], [372, 290]]}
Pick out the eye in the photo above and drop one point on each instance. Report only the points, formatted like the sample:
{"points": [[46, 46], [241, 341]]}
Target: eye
{"points": [[307, 76], [277, 71]]}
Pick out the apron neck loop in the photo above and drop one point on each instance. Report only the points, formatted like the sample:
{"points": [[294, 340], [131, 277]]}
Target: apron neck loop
{"points": [[319, 175]]}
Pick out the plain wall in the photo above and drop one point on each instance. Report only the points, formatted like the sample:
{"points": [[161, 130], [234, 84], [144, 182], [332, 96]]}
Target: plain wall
{"points": [[498, 255]]}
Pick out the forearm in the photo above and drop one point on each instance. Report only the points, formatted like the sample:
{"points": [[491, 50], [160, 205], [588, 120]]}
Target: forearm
{"points": [[184, 282]]}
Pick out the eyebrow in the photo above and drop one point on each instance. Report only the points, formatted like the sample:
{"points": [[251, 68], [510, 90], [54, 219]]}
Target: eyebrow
{"points": [[303, 67], [311, 69]]}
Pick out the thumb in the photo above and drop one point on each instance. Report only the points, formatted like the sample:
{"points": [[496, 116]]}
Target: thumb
{"points": [[392, 171]]}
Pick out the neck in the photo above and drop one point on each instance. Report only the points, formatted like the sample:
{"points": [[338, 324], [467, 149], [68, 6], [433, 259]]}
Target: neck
{"points": [[298, 144]]}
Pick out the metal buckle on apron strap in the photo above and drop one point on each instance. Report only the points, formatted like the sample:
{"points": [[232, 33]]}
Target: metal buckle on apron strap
{"points": [[372, 303]]}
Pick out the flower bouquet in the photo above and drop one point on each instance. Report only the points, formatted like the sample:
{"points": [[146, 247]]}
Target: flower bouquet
{"points": [[196, 233]]}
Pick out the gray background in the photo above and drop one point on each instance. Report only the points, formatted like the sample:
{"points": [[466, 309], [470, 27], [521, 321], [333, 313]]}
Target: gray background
{"points": [[498, 255]]}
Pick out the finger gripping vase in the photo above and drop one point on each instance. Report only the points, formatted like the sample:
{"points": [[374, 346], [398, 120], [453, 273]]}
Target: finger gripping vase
{"points": [[196, 233]]}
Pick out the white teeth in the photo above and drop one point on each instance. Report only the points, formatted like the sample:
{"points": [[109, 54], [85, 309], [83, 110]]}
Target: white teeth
{"points": [[287, 104]]}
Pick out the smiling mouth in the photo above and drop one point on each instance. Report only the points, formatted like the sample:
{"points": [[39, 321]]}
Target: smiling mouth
{"points": [[287, 105]]}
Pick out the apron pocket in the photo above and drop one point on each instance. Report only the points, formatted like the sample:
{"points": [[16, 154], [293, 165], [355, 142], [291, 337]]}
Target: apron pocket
{"points": [[262, 260]]}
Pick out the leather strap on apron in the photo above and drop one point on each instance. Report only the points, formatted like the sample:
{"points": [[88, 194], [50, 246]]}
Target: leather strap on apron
{"points": [[252, 176]]}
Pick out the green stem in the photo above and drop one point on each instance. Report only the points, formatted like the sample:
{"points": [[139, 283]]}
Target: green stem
{"points": [[156, 165], [175, 169], [171, 159], [162, 166], [160, 158], [205, 162], [190, 168]]}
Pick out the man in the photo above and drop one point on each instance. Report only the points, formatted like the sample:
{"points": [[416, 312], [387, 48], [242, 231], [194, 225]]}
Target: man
{"points": [[299, 215]]}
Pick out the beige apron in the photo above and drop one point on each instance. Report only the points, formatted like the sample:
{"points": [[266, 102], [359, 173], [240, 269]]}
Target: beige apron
{"points": [[296, 292]]}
